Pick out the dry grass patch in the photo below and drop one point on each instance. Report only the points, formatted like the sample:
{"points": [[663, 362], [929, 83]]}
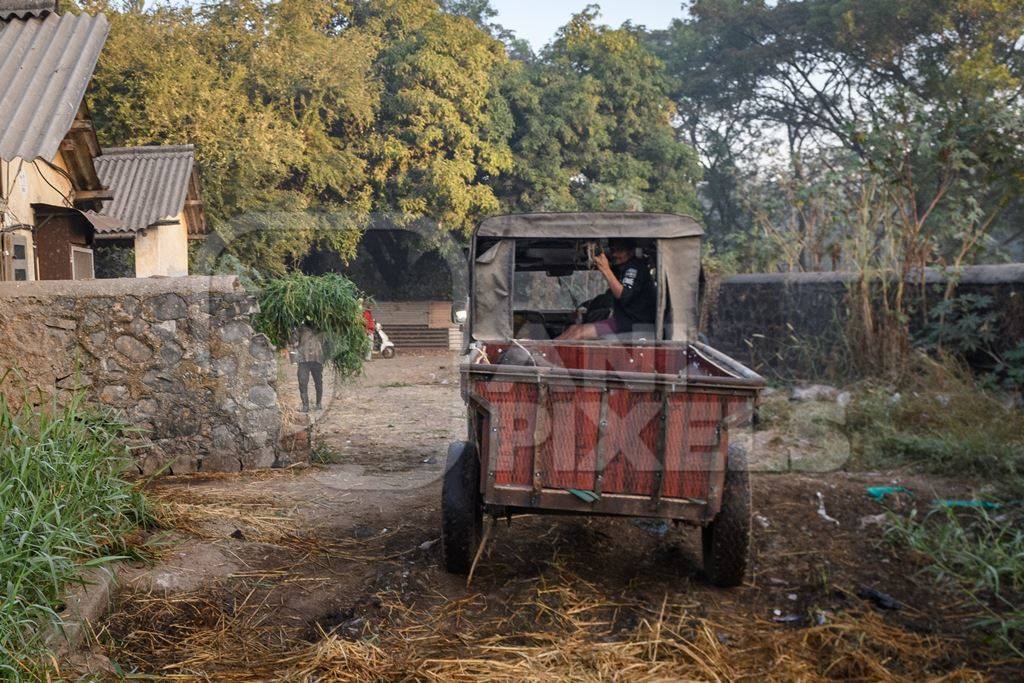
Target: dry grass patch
{"points": [[560, 628]]}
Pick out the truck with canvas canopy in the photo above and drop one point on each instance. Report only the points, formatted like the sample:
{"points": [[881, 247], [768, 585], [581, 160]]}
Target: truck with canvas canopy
{"points": [[631, 418]]}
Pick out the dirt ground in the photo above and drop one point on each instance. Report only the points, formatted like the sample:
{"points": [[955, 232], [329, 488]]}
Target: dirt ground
{"points": [[332, 572]]}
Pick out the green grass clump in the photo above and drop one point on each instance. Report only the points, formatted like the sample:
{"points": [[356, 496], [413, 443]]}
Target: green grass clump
{"points": [[981, 555], [322, 454], [330, 304], [941, 420], [64, 506]]}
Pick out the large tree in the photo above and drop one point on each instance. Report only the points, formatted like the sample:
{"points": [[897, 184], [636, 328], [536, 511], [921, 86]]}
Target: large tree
{"points": [[276, 100], [314, 118], [815, 74], [593, 127], [440, 132]]}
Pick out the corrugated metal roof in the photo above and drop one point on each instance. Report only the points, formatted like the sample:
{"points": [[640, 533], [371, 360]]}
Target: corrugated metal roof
{"points": [[102, 223], [105, 223], [47, 63], [26, 8], [149, 183]]}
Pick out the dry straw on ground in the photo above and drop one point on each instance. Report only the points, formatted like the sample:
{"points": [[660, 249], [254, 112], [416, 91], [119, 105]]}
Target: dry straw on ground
{"points": [[558, 629], [557, 626]]}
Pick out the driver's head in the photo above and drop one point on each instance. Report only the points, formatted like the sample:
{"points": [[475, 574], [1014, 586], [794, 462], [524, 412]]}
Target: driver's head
{"points": [[621, 250]]}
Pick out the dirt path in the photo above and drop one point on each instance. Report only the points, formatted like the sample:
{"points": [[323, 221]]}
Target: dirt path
{"points": [[332, 573]]}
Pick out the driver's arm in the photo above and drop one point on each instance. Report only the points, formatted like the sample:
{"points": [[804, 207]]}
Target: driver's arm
{"points": [[614, 286]]}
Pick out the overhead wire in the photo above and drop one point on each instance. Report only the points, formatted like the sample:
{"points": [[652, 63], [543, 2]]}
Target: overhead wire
{"points": [[68, 202], [5, 200]]}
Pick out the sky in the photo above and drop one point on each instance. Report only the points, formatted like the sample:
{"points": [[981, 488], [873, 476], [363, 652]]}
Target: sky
{"points": [[537, 20]]}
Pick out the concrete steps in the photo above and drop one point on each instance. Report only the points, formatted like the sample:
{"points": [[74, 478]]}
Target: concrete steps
{"points": [[417, 336]]}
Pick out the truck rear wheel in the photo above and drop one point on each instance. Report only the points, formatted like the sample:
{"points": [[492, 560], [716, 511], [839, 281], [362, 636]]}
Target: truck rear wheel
{"points": [[461, 511], [726, 540]]}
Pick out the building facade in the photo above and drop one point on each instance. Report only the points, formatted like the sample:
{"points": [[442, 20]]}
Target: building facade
{"points": [[51, 197], [156, 199]]}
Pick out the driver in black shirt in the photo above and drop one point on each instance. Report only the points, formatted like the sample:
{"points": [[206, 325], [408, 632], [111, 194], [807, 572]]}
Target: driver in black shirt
{"points": [[630, 290]]}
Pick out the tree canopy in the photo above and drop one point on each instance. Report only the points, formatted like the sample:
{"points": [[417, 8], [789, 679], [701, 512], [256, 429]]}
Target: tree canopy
{"points": [[925, 94], [593, 127], [314, 117]]}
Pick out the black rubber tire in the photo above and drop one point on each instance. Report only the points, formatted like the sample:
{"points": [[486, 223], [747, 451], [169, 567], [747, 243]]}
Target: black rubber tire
{"points": [[726, 540], [388, 352], [461, 509]]}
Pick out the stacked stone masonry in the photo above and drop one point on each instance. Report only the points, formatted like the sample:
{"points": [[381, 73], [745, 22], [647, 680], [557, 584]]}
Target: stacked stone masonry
{"points": [[175, 357]]}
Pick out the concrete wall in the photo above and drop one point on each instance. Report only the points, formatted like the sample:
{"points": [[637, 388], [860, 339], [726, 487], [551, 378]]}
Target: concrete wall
{"points": [[176, 357], [30, 184], [790, 325], [162, 250]]}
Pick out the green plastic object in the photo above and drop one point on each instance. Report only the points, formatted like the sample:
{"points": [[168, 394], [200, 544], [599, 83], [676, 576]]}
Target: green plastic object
{"points": [[585, 496], [880, 492], [987, 505]]}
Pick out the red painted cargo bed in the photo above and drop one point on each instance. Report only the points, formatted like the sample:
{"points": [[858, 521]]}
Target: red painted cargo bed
{"points": [[644, 429]]}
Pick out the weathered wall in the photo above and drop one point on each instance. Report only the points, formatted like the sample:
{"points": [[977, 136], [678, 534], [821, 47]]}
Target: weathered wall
{"points": [[32, 183], [787, 325], [162, 250], [175, 356]]}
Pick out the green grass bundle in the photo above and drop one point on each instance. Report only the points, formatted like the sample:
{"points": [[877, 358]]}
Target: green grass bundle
{"points": [[64, 505], [330, 304]]}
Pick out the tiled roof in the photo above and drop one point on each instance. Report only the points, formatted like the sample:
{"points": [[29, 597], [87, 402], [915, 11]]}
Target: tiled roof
{"points": [[46, 62], [150, 184]]}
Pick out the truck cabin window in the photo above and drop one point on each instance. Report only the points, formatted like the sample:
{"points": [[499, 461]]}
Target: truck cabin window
{"points": [[584, 289]]}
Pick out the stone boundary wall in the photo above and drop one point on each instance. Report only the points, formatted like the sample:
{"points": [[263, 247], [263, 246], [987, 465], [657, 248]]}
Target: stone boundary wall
{"points": [[788, 325], [175, 357]]}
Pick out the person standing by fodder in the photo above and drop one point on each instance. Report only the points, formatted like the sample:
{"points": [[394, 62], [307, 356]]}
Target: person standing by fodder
{"points": [[308, 351]]}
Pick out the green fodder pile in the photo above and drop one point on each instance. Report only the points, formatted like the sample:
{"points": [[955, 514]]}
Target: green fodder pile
{"points": [[64, 506], [330, 304], [940, 419]]}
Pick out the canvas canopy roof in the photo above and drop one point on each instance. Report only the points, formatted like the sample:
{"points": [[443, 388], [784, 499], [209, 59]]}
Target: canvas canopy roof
{"points": [[590, 225], [677, 239]]}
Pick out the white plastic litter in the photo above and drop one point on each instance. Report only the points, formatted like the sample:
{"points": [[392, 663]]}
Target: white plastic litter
{"points": [[821, 510], [872, 520]]}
